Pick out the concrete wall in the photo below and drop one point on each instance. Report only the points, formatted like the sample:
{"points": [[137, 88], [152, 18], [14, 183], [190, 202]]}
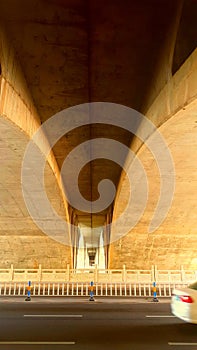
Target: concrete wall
{"points": [[23, 243], [174, 242]]}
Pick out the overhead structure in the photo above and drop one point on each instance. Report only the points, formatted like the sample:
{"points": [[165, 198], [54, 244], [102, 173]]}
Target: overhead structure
{"points": [[140, 55]]}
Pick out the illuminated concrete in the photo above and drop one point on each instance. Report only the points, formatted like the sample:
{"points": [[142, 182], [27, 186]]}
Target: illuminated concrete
{"points": [[22, 242], [174, 242]]}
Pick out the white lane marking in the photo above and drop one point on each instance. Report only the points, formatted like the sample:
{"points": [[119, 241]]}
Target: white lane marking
{"points": [[53, 315], [164, 316], [37, 343], [183, 344]]}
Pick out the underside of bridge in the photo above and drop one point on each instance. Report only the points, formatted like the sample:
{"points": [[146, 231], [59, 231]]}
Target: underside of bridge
{"points": [[139, 59]]}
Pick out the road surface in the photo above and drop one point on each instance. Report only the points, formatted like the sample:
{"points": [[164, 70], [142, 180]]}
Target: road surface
{"points": [[78, 324]]}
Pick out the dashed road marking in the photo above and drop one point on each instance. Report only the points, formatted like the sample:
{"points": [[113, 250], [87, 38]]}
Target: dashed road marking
{"points": [[182, 344], [37, 343], [160, 316], [58, 316]]}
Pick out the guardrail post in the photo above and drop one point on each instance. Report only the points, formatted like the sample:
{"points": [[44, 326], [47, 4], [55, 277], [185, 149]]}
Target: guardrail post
{"points": [[28, 298], [91, 291], [124, 272], [96, 274], [12, 272], [68, 272], [152, 273], [155, 299], [110, 278], [39, 273], [155, 273]]}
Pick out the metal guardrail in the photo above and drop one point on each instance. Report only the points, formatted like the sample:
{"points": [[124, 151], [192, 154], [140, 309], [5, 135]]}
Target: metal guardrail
{"points": [[98, 275], [83, 289]]}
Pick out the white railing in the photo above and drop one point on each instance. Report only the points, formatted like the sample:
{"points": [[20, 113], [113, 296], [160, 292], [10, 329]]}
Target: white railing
{"points": [[81, 289], [98, 275]]}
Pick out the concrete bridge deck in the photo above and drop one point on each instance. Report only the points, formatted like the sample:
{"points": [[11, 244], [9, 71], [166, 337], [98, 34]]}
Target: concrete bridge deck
{"points": [[139, 57]]}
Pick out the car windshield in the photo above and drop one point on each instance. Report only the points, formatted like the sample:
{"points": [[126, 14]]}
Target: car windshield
{"points": [[193, 286]]}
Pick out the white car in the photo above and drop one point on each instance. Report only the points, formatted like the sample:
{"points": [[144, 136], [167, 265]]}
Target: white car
{"points": [[184, 303]]}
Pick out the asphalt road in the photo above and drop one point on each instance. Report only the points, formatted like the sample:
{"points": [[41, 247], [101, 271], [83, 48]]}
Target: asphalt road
{"points": [[78, 324]]}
